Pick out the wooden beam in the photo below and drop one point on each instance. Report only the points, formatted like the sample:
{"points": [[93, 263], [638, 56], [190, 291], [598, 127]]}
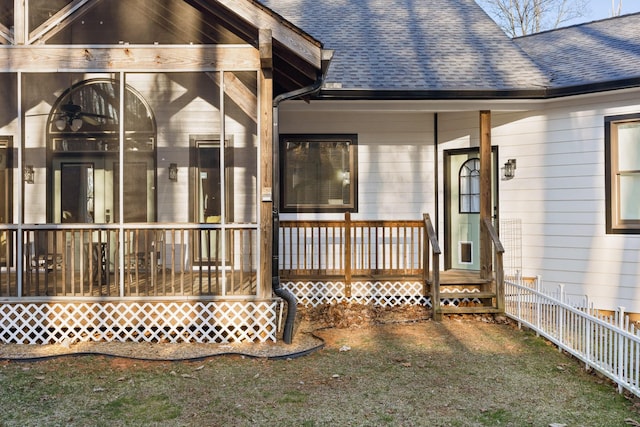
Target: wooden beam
{"points": [[309, 50], [61, 20], [265, 46], [142, 58], [486, 254], [266, 171], [19, 22], [5, 35], [243, 96]]}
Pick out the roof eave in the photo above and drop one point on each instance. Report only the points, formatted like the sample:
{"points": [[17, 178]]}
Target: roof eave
{"points": [[476, 94]]}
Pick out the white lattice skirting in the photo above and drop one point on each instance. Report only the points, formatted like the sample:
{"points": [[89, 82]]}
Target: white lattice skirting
{"points": [[201, 322], [384, 294]]}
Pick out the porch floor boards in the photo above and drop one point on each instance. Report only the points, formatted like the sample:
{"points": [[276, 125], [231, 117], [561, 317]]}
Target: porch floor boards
{"points": [[196, 283]]}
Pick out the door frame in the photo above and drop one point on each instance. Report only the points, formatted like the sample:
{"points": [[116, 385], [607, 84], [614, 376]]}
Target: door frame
{"points": [[450, 249]]}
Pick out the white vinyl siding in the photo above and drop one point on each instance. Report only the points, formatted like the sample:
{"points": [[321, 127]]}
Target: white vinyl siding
{"points": [[558, 191], [395, 159]]}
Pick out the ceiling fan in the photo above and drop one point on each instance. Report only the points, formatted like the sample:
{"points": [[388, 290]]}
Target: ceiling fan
{"points": [[73, 116]]}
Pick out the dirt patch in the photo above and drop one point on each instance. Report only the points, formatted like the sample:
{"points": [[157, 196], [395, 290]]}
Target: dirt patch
{"points": [[350, 315]]}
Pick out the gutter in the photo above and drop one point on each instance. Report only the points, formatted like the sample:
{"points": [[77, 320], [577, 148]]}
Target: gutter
{"points": [[546, 93], [286, 295]]}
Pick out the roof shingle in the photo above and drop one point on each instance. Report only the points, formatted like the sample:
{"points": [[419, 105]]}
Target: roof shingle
{"points": [[595, 52], [443, 45]]}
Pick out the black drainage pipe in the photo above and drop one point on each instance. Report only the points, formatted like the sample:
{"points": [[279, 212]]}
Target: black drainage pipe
{"points": [[287, 334]]}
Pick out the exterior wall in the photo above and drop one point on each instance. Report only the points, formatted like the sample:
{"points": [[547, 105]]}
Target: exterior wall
{"points": [[395, 158], [559, 194]]}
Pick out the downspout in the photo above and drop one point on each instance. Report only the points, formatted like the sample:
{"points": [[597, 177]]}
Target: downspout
{"points": [[285, 294], [436, 171]]}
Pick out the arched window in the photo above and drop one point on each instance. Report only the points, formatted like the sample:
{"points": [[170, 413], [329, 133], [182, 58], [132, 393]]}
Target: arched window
{"points": [[469, 185], [85, 142]]}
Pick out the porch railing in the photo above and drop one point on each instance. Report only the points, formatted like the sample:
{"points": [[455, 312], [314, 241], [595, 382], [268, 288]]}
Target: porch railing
{"points": [[137, 260], [609, 344], [432, 274], [498, 267], [350, 249]]}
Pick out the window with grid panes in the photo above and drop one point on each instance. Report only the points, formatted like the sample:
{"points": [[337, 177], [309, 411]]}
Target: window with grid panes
{"points": [[622, 164]]}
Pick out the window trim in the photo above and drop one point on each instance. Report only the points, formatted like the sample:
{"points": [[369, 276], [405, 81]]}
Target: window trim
{"points": [[353, 171], [615, 225]]}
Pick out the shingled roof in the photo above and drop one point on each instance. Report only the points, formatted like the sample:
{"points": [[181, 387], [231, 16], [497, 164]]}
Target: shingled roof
{"points": [[453, 49], [413, 46], [597, 54]]}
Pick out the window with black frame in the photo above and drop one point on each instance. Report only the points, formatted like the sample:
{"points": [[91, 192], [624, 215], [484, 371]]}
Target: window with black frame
{"points": [[622, 164], [318, 173]]}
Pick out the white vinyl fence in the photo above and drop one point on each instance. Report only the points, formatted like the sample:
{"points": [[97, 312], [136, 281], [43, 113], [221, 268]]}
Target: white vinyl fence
{"points": [[608, 344]]}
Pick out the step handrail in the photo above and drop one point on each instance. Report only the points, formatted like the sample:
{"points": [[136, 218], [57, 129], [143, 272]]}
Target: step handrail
{"points": [[498, 249], [431, 275]]}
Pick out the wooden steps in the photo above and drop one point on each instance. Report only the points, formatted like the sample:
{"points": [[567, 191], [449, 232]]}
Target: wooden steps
{"points": [[465, 285]]}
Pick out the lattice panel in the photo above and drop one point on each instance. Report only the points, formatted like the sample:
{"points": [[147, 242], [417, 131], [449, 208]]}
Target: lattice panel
{"points": [[313, 294], [389, 294], [451, 302], [386, 294], [202, 322]]}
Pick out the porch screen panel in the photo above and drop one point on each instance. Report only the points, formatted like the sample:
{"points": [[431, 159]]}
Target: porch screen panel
{"points": [[139, 178], [41, 10], [241, 146], [6, 201], [240, 185], [6, 14]]}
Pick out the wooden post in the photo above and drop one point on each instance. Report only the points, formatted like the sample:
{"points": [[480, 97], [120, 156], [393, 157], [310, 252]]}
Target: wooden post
{"points": [[19, 24], [347, 254], [485, 194], [266, 161]]}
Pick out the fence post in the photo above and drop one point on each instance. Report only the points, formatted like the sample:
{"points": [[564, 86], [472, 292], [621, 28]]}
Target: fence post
{"points": [[538, 307], [621, 349], [560, 312], [588, 344], [347, 254]]}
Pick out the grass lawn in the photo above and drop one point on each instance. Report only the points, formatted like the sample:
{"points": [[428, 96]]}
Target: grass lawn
{"points": [[451, 373]]}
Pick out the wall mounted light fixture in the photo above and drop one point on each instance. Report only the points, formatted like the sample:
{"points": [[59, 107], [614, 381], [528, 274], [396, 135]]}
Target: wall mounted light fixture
{"points": [[29, 174], [509, 169], [173, 172]]}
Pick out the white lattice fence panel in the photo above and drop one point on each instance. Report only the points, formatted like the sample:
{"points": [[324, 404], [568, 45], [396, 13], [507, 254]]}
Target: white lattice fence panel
{"points": [[388, 294], [202, 322], [313, 294]]}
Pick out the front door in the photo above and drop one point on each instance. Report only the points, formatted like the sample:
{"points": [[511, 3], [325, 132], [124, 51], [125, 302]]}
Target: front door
{"points": [[86, 189], [462, 205]]}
